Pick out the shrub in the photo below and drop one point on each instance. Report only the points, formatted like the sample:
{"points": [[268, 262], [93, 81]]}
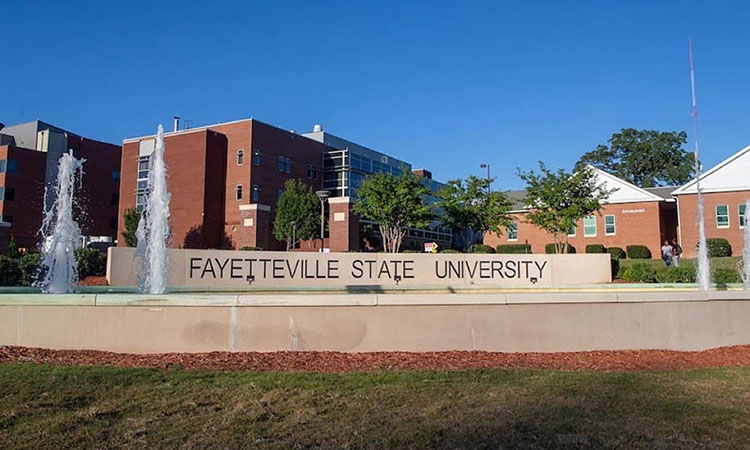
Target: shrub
{"points": [[616, 252], [449, 250], [10, 273], [640, 273], [513, 248], [31, 273], [638, 252], [718, 247], [683, 274], [411, 251], [251, 249], [595, 248], [725, 275], [481, 248], [91, 262], [550, 249], [12, 247]]}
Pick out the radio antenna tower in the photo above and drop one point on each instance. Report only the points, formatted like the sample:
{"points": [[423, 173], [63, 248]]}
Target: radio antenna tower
{"points": [[704, 271]]}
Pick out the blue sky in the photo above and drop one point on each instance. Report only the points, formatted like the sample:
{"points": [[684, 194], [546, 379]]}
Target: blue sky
{"points": [[443, 85]]}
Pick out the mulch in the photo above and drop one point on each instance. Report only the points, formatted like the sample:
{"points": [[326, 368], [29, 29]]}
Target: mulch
{"points": [[339, 362]]}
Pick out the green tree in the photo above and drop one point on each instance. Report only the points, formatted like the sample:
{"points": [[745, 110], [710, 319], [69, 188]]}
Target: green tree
{"points": [[646, 158], [395, 203], [560, 199], [12, 247], [132, 217], [469, 208], [297, 214]]}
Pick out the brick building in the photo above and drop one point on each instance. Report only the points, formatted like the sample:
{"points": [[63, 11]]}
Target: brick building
{"points": [[631, 215], [725, 189], [28, 164], [225, 180]]}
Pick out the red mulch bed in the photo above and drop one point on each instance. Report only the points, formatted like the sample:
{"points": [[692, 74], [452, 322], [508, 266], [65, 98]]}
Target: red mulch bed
{"points": [[93, 281], [337, 362]]}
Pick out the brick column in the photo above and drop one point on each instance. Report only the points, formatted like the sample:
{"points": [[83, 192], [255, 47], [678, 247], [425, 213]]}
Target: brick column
{"points": [[343, 225], [255, 226]]}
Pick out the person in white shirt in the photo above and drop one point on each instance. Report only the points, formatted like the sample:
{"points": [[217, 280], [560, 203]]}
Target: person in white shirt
{"points": [[666, 253]]}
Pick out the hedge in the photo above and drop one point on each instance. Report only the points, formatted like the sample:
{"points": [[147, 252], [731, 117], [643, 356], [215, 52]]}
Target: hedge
{"points": [[91, 262], [595, 248], [550, 249], [513, 248], [616, 252], [449, 250], [640, 273], [638, 252], [251, 249], [718, 247], [481, 248]]}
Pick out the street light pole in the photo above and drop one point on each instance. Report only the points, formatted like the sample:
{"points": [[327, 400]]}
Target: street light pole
{"points": [[489, 179], [322, 195]]}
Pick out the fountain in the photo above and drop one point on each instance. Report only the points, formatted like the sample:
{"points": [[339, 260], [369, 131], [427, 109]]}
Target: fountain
{"points": [[60, 232], [704, 270], [153, 228]]}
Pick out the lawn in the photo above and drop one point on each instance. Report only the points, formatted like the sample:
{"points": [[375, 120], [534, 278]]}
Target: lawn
{"points": [[76, 407]]}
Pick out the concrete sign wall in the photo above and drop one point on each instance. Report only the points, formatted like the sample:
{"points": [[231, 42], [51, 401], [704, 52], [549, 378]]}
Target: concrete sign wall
{"points": [[228, 268]]}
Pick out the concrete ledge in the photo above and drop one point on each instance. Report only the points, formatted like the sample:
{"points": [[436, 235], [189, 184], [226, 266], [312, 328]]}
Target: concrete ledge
{"points": [[48, 299], [441, 299], [165, 300], [308, 300]]}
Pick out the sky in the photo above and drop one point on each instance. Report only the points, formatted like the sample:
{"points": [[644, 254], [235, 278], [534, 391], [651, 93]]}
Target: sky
{"points": [[443, 85]]}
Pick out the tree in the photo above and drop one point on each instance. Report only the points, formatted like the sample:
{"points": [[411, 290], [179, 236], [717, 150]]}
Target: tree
{"points": [[560, 199], [395, 203], [297, 214], [132, 217], [12, 247], [470, 207], [646, 158]]}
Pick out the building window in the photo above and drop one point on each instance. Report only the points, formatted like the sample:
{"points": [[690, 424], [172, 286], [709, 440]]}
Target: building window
{"points": [[142, 183], [8, 166], [512, 231], [742, 216], [722, 216], [10, 194], [609, 225], [115, 175], [572, 231], [256, 192], [281, 191], [238, 192], [309, 171], [589, 226], [240, 157], [288, 165], [115, 200], [256, 157], [113, 223], [8, 219]]}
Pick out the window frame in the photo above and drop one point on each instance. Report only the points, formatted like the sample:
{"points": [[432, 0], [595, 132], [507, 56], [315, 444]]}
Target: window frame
{"points": [[238, 192], [282, 164], [614, 225], [585, 234], [287, 165], [741, 216], [256, 157], [255, 194], [717, 215], [240, 156], [514, 226]]}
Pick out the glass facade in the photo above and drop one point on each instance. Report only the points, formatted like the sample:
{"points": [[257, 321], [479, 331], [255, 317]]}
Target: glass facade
{"points": [[344, 170]]}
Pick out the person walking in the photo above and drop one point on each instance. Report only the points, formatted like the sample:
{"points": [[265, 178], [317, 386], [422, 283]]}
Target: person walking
{"points": [[666, 253], [676, 253]]}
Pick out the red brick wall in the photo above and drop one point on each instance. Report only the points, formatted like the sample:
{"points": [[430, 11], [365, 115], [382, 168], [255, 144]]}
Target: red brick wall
{"points": [[97, 206], [28, 206], [641, 224], [344, 234], [688, 208], [128, 177]]}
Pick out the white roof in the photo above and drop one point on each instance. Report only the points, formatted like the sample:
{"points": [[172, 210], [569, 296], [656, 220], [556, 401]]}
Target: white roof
{"points": [[624, 192], [732, 174]]}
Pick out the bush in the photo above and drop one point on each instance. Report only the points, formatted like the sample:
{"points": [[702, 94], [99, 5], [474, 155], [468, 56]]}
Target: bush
{"points": [[638, 252], [251, 249], [595, 248], [550, 249], [481, 248], [91, 262], [31, 273], [10, 273], [513, 248], [408, 250], [683, 274], [616, 252], [718, 247], [725, 275], [640, 273], [449, 250]]}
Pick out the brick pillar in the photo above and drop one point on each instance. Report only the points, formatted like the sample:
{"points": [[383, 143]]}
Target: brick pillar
{"points": [[255, 226], [343, 225]]}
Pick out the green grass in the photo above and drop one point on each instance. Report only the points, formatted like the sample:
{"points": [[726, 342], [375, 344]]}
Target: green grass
{"points": [[79, 407]]}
